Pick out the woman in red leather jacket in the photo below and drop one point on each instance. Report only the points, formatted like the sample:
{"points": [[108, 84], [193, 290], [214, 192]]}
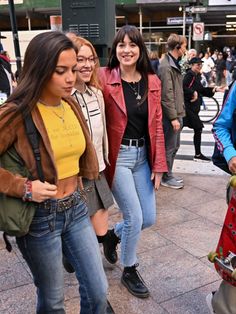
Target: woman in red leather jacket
{"points": [[136, 147]]}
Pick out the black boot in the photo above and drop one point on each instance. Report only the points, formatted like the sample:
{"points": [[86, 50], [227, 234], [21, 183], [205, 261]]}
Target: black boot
{"points": [[109, 308], [110, 246], [133, 281]]}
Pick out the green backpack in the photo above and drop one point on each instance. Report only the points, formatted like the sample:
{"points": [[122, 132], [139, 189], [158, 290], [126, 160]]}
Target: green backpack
{"points": [[15, 214]]}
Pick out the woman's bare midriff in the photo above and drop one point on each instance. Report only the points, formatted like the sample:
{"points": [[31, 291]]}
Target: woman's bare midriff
{"points": [[66, 186]]}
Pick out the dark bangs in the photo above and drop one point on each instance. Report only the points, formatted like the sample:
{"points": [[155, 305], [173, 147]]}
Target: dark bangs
{"points": [[143, 63]]}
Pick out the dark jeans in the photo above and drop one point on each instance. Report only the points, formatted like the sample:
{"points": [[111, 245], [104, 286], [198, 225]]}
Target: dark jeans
{"points": [[172, 143]]}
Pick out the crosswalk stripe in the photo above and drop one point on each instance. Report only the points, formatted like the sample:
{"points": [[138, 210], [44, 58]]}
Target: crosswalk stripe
{"points": [[186, 150]]}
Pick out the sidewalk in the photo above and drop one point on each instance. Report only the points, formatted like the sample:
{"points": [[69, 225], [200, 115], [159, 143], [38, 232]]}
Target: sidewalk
{"points": [[172, 256]]}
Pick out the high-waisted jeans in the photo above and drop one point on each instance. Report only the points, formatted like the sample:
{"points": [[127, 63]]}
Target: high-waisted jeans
{"points": [[135, 196], [71, 230]]}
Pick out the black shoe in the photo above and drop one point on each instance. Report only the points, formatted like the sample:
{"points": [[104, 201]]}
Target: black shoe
{"points": [[201, 157], [133, 281], [110, 247], [68, 267], [109, 308]]}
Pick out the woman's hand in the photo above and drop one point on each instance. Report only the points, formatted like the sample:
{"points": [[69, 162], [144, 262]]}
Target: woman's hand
{"points": [[41, 191], [232, 165], [156, 176]]}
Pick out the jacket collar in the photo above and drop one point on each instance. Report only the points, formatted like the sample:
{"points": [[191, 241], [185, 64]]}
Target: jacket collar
{"points": [[172, 63], [114, 76]]}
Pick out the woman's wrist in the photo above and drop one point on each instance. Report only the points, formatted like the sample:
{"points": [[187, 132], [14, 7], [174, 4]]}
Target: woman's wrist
{"points": [[27, 197]]}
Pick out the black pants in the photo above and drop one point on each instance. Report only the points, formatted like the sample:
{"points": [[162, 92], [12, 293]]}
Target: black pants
{"points": [[197, 141]]}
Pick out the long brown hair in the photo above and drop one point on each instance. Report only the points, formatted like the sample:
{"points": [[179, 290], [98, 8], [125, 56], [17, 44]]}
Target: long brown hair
{"points": [[79, 42], [40, 61]]}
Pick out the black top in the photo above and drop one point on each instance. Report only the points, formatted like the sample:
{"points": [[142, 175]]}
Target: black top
{"points": [[137, 113], [191, 83], [4, 81]]}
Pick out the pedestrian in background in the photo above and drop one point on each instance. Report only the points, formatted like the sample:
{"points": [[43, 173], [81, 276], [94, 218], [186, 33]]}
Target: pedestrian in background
{"points": [[221, 69], [172, 100], [153, 55], [136, 145], [6, 76], [207, 67], [61, 220], [184, 62], [193, 93], [229, 63]]}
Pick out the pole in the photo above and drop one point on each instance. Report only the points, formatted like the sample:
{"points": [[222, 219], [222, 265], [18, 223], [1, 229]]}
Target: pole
{"points": [[140, 20], [198, 19], [15, 34], [184, 21], [189, 36]]}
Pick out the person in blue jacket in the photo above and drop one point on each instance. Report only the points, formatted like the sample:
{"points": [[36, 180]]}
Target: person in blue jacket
{"points": [[222, 129], [223, 300]]}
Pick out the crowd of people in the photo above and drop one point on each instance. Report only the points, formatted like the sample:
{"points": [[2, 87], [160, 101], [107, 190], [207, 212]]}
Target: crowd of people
{"points": [[107, 135]]}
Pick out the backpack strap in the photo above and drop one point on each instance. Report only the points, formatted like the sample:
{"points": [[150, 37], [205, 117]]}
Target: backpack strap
{"points": [[33, 136]]}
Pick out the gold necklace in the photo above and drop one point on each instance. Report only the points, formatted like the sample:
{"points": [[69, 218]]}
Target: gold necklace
{"points": [[61, 106]]}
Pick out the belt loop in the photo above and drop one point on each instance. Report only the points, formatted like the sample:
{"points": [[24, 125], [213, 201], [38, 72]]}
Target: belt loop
{"points": [[130, 142]]}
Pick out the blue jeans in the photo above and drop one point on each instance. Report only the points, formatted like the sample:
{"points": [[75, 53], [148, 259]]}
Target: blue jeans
{"points": [[135, 196], [42, 249]]}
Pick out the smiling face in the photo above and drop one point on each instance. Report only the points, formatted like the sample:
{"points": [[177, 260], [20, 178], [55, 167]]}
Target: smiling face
{"points": [[63, 78], [127, 53], [196, 67], [86, 64]]}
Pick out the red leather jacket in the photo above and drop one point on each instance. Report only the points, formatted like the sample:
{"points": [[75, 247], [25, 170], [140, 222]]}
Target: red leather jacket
{"points": [[116, 118]]}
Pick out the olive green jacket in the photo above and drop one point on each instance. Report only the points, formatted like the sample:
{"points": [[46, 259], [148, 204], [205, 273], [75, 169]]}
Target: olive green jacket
{"points": [[172, 96]]}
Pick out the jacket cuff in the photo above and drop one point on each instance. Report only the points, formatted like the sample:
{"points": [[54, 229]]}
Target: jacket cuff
{"points": [[19, 187], [229, 153]]}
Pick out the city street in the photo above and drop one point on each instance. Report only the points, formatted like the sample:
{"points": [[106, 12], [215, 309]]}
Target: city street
{"points": [[172, 254]]}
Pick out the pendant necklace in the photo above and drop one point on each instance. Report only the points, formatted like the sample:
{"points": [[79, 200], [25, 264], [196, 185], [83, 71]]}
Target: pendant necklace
{"points": [[136, 91], [60, 116]]}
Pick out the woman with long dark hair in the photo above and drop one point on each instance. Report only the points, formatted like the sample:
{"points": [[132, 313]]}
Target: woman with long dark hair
{"points": [[61, 220], [132, 93]]}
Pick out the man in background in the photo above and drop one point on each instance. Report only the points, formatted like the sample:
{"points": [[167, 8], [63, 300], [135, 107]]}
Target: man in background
{"points": [[172, 100]]}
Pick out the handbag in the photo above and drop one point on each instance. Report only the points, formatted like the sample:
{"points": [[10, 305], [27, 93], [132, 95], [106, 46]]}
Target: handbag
{"points": [[15, 214]]}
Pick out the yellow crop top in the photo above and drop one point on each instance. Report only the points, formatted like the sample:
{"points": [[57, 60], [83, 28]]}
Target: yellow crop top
{"points": [[66, 137]]}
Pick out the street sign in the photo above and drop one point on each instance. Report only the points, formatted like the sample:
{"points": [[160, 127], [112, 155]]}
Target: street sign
{"points": [[198, 31], [178, 20], [196, 9]]}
